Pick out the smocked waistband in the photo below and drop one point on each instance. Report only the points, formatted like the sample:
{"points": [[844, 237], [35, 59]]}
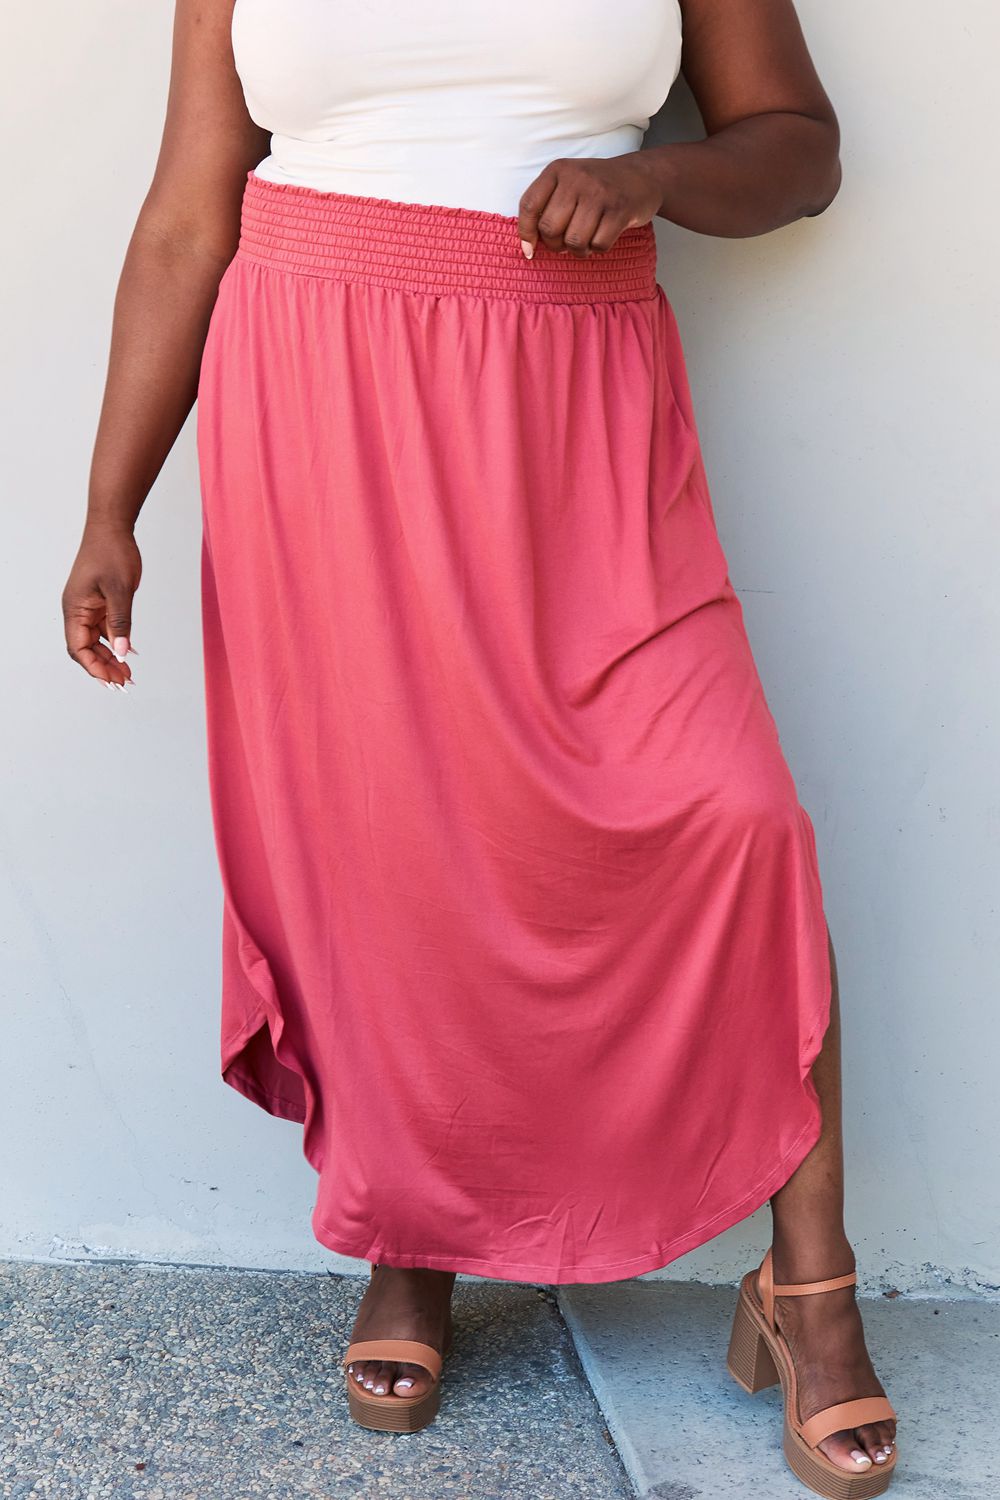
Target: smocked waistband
{"points": [[430, 248]]}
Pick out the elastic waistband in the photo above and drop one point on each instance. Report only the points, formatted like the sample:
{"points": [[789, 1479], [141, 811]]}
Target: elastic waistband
{"points": [[428, 247]]}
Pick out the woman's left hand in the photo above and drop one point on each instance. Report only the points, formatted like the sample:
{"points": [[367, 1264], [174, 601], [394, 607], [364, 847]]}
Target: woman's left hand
{"points": [[580, 205]]}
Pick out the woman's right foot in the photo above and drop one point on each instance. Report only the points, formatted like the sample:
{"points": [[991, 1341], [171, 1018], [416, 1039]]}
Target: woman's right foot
{"points": [[402, 1303]]}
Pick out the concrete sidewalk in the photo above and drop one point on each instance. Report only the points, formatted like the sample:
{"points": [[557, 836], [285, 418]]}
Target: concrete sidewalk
{"points": [[156, 1383], [166, 1383], [655, 1354]]}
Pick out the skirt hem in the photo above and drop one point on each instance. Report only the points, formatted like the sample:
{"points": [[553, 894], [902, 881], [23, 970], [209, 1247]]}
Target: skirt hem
{"points": [[272, 1104], [654, 1260]]}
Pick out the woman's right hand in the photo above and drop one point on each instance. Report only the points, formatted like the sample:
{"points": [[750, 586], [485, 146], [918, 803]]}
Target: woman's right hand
{"points": [[97, 601]]}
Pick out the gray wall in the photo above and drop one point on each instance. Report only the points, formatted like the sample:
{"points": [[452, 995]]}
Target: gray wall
{"points": [[846, 378]]}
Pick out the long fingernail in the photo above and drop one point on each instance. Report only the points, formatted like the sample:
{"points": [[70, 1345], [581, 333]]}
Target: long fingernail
{"points": [[528, 249], [119, 646]]}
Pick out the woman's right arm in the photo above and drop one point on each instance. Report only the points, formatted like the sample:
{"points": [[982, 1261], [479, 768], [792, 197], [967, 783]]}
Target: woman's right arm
{"points": [[185, 235]]}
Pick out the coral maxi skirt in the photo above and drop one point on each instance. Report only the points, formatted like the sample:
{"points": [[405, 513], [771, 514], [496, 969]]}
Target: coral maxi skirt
{"points": [[522, 915]]}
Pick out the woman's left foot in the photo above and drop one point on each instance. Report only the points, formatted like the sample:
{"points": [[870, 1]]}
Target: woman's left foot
{"points": [[826, 1338]]}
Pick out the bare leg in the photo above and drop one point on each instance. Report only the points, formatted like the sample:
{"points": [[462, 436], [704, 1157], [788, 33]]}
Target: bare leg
{"points": [[824, 1330]]}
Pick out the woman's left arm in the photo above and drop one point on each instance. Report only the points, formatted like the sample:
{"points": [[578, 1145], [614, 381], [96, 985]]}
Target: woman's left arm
{"points": [[771, 153]]}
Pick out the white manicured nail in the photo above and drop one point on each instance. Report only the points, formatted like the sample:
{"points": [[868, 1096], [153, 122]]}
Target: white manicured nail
{"points": [[860, 1458], [402, 1385]]}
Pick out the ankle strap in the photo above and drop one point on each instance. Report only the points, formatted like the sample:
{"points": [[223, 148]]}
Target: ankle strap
{"points": [[769, 1289], [796, 1288]]}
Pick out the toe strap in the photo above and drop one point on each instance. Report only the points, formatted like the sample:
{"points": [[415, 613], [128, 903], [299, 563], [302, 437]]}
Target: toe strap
{"points": [[400, 1351], [846, 1414]]}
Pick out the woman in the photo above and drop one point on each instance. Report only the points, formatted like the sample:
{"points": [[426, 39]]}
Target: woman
{"points": [[522, 915]]}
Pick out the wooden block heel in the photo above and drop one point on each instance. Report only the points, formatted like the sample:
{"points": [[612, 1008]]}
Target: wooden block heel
{"points": [[759, 1356], [749, 1360]]}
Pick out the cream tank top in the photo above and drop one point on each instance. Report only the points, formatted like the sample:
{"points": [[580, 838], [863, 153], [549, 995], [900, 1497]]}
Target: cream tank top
{"points": [[455, 102]]}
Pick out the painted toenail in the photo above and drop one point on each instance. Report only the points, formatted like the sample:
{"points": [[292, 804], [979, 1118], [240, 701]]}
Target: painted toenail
{"points": [[403, 1385], [880, 1457], [860, 1458], [359, 1377], [380, 1390]]}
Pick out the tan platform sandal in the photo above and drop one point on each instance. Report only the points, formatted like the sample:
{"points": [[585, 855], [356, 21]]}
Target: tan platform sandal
{"points": [[392, 1413], [759, 1357]]}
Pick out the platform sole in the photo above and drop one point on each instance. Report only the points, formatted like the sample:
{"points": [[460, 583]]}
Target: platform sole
{"points": [[394, 1413]]}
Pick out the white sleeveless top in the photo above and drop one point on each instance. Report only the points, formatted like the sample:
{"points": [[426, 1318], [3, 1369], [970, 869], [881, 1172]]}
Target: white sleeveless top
{"points": [[456, 102]]}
